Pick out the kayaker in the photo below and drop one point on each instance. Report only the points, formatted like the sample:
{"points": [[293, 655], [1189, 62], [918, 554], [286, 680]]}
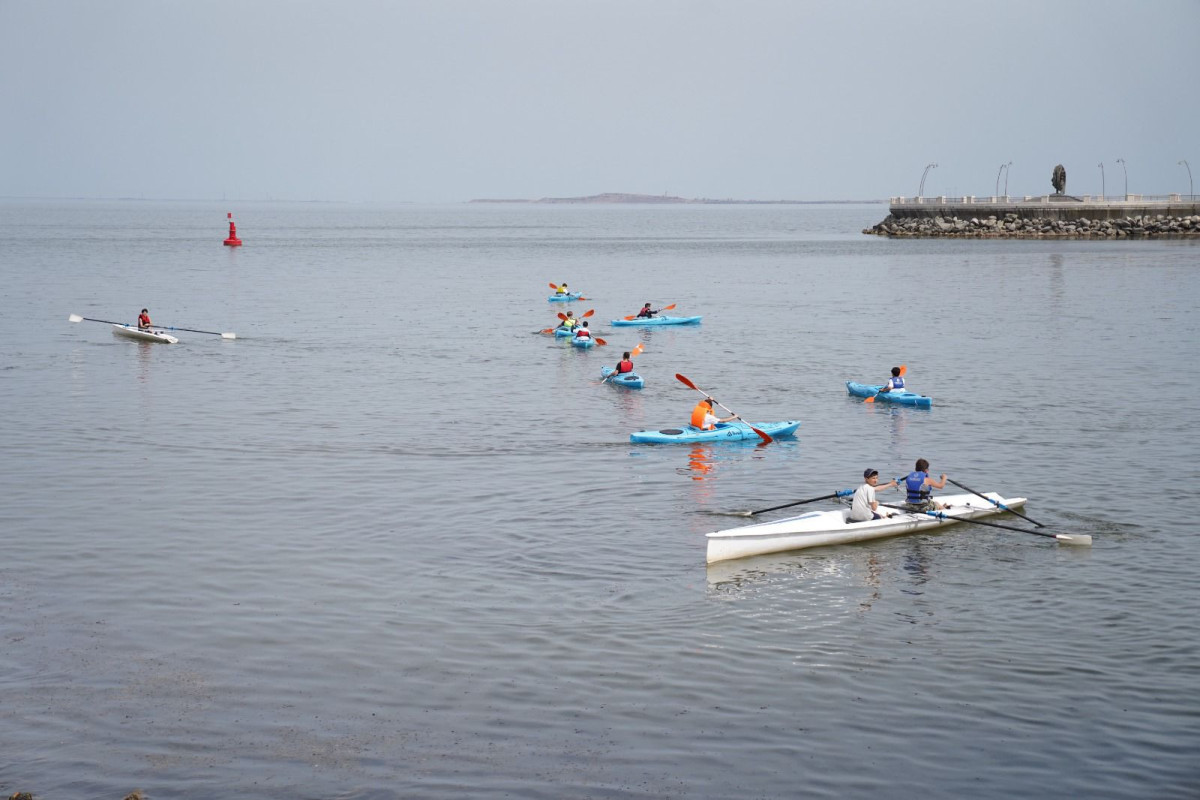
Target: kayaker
{"points": [[918, 485], [646, 313], [582, 331], [704, 418], [144, 320], [864, 506], [624, 365], [570, 322], [562, 289], [895, 383]]}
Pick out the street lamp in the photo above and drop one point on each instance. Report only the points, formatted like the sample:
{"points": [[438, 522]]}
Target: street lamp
{"points": [[1006, 172], [1121, 161], [1101, 166], [1191, 190], [998, 179], [921, 191]]}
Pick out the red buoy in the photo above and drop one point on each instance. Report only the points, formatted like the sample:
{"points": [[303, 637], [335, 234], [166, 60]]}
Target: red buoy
{"points": [[233, 240]]}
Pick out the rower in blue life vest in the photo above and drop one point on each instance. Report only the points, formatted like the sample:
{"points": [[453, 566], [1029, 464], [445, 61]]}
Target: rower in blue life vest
{"points": [[918, 486], [895, 383]]}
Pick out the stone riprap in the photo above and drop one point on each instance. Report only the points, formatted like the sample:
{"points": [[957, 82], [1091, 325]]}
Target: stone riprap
{"points": [[1012, 226]]}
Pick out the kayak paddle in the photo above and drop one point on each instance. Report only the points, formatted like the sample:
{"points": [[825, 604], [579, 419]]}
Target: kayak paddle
{"points": [[664, 308], [996, 503], [77, 318], [683, 379], [839, 493], [903, 369], [1069, 538]]}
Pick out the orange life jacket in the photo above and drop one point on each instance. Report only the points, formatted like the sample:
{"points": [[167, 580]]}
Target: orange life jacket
{"points": [[701, 410]]}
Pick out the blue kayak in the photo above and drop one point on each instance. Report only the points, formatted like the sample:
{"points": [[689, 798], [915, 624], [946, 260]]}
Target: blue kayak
{"points": [[564, 331], [565, 297], [583, 341], [724, 432], [902, 397], [630, 380], [657, 321]]}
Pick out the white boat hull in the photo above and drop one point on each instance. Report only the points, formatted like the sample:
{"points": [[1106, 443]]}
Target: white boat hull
{"points": [[131, 332], [820, 528]]}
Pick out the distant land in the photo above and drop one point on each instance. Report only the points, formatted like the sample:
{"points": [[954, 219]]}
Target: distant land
{"points": [[663, 199]]}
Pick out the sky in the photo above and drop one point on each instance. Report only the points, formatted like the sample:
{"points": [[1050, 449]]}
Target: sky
{"points": [[452, 100]]}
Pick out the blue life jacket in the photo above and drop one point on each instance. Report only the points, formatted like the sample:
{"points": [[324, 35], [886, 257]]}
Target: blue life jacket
{"points": [[915, 484], [897, 383]]}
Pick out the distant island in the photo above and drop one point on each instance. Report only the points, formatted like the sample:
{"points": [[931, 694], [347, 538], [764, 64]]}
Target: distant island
{"points": [[663, 199]]}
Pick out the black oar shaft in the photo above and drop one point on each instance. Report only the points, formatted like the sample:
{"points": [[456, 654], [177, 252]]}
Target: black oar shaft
{"points": [[841, 493], [994, 502], [948, 518]]}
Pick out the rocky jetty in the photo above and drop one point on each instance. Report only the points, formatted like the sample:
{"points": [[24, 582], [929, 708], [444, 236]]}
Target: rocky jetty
{"points": [[1012, 226]]}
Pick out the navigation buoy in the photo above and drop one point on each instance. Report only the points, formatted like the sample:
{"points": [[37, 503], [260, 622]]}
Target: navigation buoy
{"points": [[233, 240]]}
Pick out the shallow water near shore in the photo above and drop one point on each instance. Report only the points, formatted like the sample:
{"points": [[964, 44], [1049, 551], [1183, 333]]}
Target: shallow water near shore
{"points": [[390, 543]]}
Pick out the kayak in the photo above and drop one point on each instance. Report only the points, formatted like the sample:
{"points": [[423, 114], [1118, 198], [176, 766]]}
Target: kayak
{"points": [[902, 397], [724, 432], [132, 332], [564, 331], [657, 321], [819, 528], [630, 380], [562, 298], [583, 341]]}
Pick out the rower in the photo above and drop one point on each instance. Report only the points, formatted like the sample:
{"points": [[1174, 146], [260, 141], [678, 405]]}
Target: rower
{"points": [[703, 416], [582, 331], [570, 322], [624, 365], [895, 383], [918, 485], [144, 320], [864, 506], [646, 313], [562, 289]]}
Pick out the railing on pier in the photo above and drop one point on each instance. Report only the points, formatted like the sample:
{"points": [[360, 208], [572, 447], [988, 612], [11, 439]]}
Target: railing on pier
{"points": [[972, 200]]}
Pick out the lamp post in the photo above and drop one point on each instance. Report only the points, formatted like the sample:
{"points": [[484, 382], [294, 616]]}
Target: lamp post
{"points": [[1101, 166], [921, 191], [1121, 161], [1006, 172], [998, 179], [1191, 190]]}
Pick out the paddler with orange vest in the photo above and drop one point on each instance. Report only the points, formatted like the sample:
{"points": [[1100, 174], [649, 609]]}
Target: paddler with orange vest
{"points": [[704, 418]]}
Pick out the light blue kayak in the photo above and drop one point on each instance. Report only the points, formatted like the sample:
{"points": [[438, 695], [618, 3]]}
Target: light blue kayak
{"points": [[647, 321], [902, 397], [562, 298], [583, 341], [630, 380], [564, 331], [724, 432]]}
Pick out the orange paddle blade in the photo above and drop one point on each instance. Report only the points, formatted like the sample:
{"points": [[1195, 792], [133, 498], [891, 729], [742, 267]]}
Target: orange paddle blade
{"points": [[683, 379], [600, 341], [631, 316], [903, 369], [870, 399], [554, 286], [637, 351], [589, 312], [562, 316], [667, 308], [547, 330]]}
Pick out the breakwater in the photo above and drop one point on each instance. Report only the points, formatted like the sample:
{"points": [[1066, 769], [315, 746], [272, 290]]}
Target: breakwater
{"points": [[1048, 216]]}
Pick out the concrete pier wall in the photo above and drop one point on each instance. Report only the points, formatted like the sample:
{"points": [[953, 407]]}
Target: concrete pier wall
{"points": [[1051, 207]]}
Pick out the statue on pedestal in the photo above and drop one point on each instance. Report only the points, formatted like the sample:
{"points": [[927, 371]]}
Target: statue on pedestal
{"points": [[1059, 179]]}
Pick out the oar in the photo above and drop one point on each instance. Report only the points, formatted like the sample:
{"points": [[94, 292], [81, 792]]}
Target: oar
{"points": [[839, 493], [193, 330], [1069, 538], [996, 503], [683, 379], [664, 308], [903, 369]]}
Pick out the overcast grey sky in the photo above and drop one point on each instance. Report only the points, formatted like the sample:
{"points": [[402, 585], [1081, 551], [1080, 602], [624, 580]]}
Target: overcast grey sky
{"points": [[450, 100]]}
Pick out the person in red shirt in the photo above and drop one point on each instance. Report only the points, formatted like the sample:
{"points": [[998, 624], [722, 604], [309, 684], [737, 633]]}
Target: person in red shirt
{"points": [[624, 365], [144, 320]]}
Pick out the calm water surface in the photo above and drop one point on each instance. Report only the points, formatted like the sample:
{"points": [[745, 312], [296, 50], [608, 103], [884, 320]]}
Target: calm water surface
{"points": [[389, 543]]}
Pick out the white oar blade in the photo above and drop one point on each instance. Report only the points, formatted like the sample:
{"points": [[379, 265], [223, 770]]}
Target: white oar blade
{"points": [[74, 318], [1074, 538], [228, 335]]}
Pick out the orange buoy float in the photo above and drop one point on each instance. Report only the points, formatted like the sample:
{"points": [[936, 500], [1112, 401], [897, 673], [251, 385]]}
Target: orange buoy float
{"points": [[233, 240]]}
